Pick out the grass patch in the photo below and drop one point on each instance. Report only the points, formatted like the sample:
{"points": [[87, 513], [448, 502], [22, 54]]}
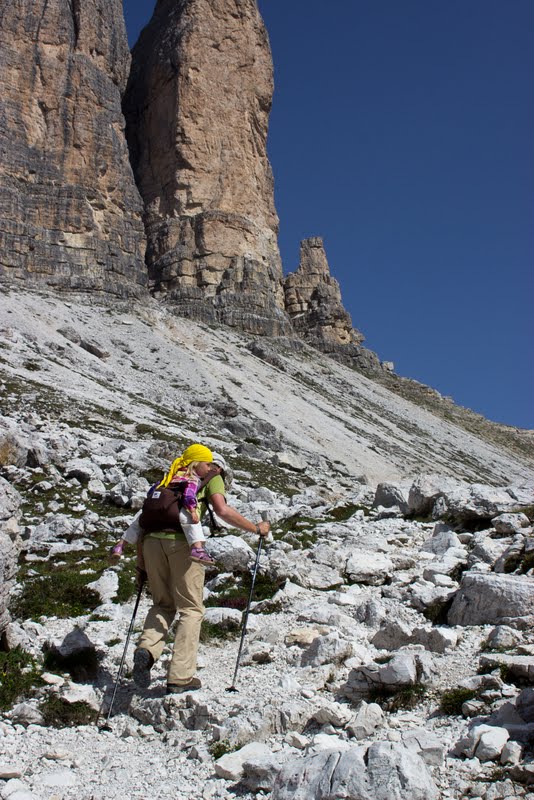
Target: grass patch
{"points": [[452, 701], [210, 633], [19, 676], [265, 474], [62, 594], [296, 531], [236, 595], [57, 713], [59, 589]]}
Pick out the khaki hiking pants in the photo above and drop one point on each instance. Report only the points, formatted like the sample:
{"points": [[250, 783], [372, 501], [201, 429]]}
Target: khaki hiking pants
{"points": [[176, 584]]}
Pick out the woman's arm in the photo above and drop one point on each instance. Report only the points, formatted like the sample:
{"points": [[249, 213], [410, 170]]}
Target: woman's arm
{"points": [[234, 518]]}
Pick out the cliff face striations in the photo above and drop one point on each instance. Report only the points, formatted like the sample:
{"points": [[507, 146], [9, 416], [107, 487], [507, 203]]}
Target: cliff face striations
{"points": [[197, 108], [71, 215]]}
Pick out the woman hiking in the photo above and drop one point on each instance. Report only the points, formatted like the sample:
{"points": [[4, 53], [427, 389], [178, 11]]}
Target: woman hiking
{"points": [[176, 581]]}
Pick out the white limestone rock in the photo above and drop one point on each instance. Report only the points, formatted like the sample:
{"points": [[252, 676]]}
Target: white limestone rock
{"points": [[228, 618], [426, 744], [406, 668], [388, 495], [329, 649], [510, 523], [492, 599], [485, 742], [230, 766], [231, 552], [381, 772], [372, 569], [106, 586], [368, 717], [332, 713]]}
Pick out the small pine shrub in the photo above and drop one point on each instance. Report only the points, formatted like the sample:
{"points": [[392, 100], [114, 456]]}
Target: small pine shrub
{"points": [[221, 748], [452, 701], [58, 713], [407, 698]]}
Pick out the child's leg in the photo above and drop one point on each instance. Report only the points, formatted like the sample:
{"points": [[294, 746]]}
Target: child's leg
{"points": [[192, 530], [195, 537]]}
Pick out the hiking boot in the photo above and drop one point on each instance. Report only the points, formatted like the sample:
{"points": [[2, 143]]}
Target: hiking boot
{"points": [[179, 688], [201, 556], [141, 669]]}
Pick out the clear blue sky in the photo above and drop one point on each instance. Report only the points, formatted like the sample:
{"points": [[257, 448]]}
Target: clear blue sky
{"points": [[402, 132]]}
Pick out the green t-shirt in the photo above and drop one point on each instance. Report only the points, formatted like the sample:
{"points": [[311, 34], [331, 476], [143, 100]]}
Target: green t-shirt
{"points": [[214, 486]]}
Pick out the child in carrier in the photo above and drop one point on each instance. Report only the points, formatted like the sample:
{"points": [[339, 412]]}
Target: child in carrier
{"points": [[183, 480]]}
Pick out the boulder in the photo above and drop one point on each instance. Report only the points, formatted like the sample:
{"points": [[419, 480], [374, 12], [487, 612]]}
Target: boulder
{"points": [[226, 618], [406, 668], [329, 649], [426, 744], [492, 599], [230, 766], [485, 742], [372, 569], [368, 717], [383, 771], [520, 668], [510, 523], [231, 552], [388, 495]]}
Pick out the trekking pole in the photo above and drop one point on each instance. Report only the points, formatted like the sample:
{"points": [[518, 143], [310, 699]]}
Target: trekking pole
{"points": [[232, 688], [123, 659]]}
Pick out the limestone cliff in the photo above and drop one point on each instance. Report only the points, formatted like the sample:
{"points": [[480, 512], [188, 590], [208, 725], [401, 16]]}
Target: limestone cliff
{"points": [[71, 215], [197, 108]]}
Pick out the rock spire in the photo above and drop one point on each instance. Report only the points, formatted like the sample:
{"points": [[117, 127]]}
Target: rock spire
{"points": [[71, 213], [313, 302], [313, 299], [197, 108]]}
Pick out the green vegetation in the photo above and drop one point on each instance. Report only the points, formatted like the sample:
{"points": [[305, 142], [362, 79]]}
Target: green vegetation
{"points": [[58, 713], [221, 748], [342, 513], [452, 701], [235, 594], [19, 676], [407, 698], [297, 530], [61, 594], [210, 632], [60, 588], [266, 474]]}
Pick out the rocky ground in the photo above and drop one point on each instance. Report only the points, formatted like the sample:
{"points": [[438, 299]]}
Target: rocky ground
{"points": [[390, 648]]}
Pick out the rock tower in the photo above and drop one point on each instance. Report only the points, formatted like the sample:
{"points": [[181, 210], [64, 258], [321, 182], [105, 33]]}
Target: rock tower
{"points": [[197, 109]]}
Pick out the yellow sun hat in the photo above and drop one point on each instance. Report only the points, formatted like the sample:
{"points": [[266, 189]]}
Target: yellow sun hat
{"points": [[195, 452]]}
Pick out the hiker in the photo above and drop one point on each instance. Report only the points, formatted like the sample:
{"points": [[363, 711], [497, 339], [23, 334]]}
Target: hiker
{"points": [[183, 480], [177, 582]]}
